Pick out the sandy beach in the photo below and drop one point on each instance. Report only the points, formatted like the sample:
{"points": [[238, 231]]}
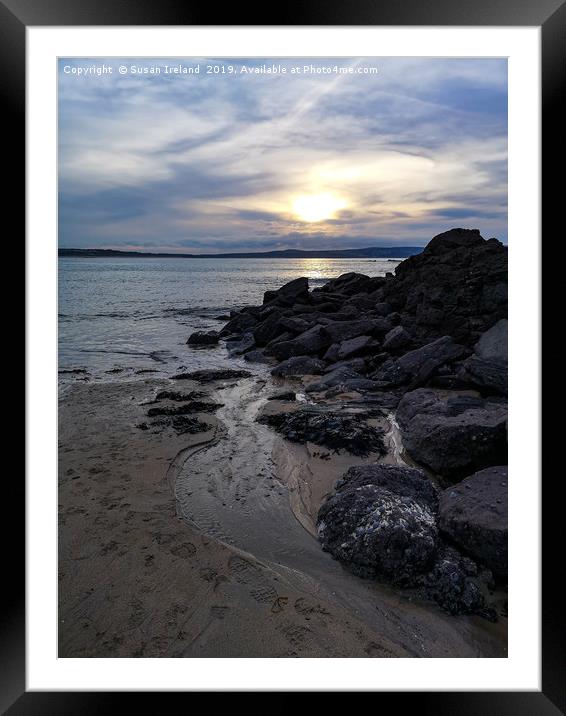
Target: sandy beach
{"points": [[201, 545]]}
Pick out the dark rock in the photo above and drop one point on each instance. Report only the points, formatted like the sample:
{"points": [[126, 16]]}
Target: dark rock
{"points": [[256, 357], [456, 286], [382, 308], [295, 324], [295, 291], [241, 346], [239, 323], [178, 397], [487, 367], [182, 424], [381, 523], [417, 366], [339, 331], [203, 338], [194, 406], [396, 339], [455, 442], [299, 365], [289, 395], [353, 346], [456, 584], [208, 375], [335, 431], [310, 342], [269, 328], [349, 284], [335, 378], [358, 365], [473, 514]]}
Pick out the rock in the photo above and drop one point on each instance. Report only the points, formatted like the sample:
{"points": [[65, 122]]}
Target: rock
{"points": [[487, 367], [335, 431], [473, 514], [382, 308], [417, 366], [492, 344], [310, 342], [239, 347], [336, 377], [455, 584], [396, 339], [295, 324], [295, 291], [208, 375], [349, 284], [381, 523], [358, 365], [239, 323], [456, 286], [349, 348], [203, 338], [339, 331], [256, 356], [269, 328], [454, 443], [299, 365]]}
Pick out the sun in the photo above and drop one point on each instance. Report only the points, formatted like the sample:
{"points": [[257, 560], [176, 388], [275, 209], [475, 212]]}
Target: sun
{"points": [[317, 207]]}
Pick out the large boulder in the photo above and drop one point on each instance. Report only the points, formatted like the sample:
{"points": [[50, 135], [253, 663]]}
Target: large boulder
{"points": [[381, 522], [456, 286], [417, 366], [473, 514], [295, 291], [310, 342], [454, 439], [487, 367], [299, 365]]}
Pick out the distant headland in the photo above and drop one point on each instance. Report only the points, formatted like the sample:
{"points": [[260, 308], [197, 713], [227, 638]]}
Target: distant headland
{"points": [[372, 252]]}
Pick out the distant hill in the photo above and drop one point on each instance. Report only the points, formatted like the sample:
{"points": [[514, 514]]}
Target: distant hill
{"points": [[374, 252]]}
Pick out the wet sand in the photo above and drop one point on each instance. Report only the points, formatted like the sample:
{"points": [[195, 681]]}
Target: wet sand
{"points": [[201, 545]]}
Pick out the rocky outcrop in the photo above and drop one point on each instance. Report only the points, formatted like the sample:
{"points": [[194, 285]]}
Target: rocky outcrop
{"points": [[430, 343], [473, 514], [457, 286]]}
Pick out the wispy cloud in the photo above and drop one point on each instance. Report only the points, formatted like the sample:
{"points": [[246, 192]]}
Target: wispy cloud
{"points": [[215, 162]]}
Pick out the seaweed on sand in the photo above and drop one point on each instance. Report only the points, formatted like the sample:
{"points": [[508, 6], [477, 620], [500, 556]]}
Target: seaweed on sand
{"points": [[331, 430]]}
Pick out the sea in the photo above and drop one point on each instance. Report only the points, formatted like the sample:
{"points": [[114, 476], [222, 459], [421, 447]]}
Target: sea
{"points": [[129, 316]]}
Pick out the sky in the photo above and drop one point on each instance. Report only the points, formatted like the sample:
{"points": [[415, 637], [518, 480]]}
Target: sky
{"points": [[382, 152]]}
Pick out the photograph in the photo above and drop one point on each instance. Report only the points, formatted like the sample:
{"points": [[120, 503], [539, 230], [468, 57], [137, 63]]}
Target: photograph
{"points": [[282, 357]]}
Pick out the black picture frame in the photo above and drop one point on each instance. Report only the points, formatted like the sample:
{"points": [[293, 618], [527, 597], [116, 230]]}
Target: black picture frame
{"points": [[15, 16]]}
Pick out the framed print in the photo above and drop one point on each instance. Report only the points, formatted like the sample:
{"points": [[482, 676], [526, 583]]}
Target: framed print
{"points": [[283, 328]]}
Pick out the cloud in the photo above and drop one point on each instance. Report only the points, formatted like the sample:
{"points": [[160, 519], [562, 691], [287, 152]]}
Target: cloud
{"points": [[216, 162]]}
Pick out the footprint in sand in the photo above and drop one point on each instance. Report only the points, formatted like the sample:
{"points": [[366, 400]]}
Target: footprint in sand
{"points": [[304, 606], [246, 573], [185, 550]]}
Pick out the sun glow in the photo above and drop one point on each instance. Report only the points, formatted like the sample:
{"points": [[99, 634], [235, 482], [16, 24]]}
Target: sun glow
{"points": [[317, 207]]}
